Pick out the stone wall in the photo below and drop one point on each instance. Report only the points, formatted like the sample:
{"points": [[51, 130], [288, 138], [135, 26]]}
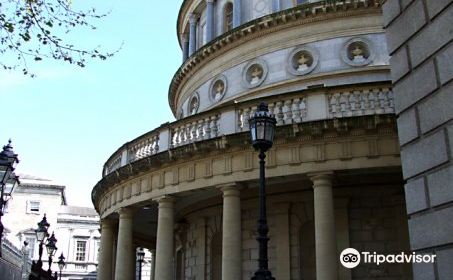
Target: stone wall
{"points": [[9, 271], [368, 218], [377, 224], [420, 34]]}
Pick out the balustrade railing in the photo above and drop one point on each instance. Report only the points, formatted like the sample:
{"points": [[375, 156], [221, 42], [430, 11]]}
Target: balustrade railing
{"points": [[196, 130], [286, 111], [361, 102], [291, 109], [143, 148]]}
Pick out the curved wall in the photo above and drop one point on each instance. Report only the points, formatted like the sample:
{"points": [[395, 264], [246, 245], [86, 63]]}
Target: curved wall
{"points": [[322, 68], [271, 41]]}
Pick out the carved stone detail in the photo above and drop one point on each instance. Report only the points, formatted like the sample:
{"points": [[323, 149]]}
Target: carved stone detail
{"points": [[302, 60], [357, 52], [254, 73]]}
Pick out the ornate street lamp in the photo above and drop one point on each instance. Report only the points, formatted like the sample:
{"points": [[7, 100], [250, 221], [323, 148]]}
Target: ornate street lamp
{"points": [[8, 180], [61, 263], [262, 131], [51, 250], [41, 234], [140, 258]]}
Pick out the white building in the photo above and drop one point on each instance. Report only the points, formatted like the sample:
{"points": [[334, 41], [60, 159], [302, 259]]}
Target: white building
{"points": [[76, 228]]}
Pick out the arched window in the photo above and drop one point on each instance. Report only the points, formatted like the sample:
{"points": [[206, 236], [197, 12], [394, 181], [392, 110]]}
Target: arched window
{"points": [[216, 256], [180, 265], [307, 251], [228, 17]]}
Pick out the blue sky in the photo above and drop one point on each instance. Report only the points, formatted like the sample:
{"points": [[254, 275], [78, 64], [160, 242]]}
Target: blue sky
{"points": [[67, 121]]}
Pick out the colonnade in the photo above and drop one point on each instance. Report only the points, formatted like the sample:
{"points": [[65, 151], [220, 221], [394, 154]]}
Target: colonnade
{"points": [[325, 239], [189, 40]]}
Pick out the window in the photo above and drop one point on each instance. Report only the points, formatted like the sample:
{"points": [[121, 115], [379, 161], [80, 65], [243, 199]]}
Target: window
{"points": [[228, 17], [31, 246], [33, 207], [81, 249], [216, 256]]}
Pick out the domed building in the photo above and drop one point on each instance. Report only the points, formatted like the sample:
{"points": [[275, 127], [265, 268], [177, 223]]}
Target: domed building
{"points": [[188, 190]]}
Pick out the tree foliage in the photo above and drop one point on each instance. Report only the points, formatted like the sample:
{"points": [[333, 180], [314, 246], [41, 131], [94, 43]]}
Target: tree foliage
{"points": [[33, 30]]}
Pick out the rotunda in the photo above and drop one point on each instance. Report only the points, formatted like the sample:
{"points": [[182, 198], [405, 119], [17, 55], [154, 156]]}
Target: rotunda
{"points": [[188, 189]]}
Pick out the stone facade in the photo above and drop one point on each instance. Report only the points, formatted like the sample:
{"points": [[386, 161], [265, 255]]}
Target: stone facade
{"points": [[334, 175], [76, 228], [419, 38]]}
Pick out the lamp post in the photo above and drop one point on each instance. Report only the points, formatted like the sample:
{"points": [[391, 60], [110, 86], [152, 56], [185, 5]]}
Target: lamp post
{"points": [[61, 263], [140, 258], [51, 250], [8, 181], [41, 234], [262, 130]]}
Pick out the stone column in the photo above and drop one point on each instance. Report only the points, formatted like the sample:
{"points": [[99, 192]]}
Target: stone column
{"points": [[232, 235], [185, 47], [106, 250], [209, 20], [325, 238], [165, 239], [125, 259], [237, 9], [192, 34]]}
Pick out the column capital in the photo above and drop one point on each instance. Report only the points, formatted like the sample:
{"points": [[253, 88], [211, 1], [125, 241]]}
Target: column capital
{"points": [[230, 189], [125, 213], [321, 178], [107, 223], [164, 198]]}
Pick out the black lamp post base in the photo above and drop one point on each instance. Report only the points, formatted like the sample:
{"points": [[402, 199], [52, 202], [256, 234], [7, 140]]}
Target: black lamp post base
{"points": [[263, 275]]}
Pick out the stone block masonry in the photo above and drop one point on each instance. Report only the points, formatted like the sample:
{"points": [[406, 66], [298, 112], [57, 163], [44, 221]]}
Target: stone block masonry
{"points": [[420, 40]]}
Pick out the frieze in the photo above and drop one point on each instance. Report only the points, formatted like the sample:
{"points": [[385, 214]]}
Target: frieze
{"points": [[384, 126]]}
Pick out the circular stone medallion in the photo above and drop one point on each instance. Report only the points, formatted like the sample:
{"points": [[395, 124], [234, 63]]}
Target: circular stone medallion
{"points": [[357, 52], [254, 73], [218, 88], [302, 60], [193, 105]]}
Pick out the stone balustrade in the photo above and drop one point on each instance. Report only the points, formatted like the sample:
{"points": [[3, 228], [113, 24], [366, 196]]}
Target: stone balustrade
{"points": [[288, 109], [143, 148], [361, 102], [196, 130]]}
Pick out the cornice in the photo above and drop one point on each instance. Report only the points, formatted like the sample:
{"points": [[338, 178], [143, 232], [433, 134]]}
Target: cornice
{"points": [[310, 132], [300, 15]]}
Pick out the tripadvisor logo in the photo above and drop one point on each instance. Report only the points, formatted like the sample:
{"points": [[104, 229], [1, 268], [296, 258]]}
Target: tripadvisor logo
{"points": [[351, 258]]}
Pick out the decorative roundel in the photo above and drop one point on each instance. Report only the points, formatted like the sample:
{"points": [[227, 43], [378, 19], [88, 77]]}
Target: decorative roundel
{"points": [[254, 73], [357, 52], [194, 104], [218, 88], [302, 60]]}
